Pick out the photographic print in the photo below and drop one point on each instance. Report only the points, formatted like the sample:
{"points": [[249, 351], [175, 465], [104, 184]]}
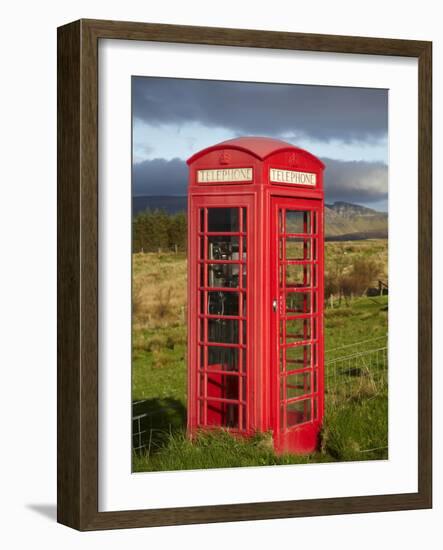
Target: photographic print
{"points": [[259, 274]]}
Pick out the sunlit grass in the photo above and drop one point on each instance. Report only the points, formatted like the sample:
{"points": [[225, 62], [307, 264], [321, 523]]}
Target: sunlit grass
{"points": [[355, 427]]}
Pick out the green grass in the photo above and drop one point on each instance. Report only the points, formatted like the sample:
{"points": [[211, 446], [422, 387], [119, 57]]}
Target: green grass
{"points": [[159, 364], [356, 430], [355, 424], [364, 318], [216, 449]]}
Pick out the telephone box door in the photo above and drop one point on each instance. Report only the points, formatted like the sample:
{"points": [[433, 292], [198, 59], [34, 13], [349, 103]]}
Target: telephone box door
{"points": [[219, 312], [297, 326]]}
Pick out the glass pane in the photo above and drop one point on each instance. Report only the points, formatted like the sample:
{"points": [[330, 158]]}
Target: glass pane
{"points": [[314, 275], [222, 386], [202, 247], [298, 384], [245, 220], [298, 357], [202, 364], [298, 221], [223, 220], [222, 414], [298, 275], [201, 335], [222, 303], [315, 389], [222, 330], [314, 355], [298, 329], [223, 275], [314, 302], [298, 248], [243, 426], [223, 247], [225, 359], [298, 302], [202, 219], [244, 247], [298, 412], [315, 249], [201, 412]]}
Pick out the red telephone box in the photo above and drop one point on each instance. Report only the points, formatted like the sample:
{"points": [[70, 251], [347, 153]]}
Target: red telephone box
{"points": [[255, 291]]}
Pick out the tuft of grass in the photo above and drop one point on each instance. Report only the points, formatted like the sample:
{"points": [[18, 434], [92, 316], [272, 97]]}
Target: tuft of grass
{"points": [[357, 429]]}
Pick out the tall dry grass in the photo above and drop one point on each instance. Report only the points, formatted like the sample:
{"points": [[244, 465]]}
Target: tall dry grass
{"points": [[159, 290]]}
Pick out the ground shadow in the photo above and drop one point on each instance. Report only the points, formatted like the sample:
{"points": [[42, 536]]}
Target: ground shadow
{"points": [[47, 510], [154, 421]]}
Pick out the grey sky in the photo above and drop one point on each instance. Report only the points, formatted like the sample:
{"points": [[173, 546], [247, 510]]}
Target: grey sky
{"points": [[346, 127]]}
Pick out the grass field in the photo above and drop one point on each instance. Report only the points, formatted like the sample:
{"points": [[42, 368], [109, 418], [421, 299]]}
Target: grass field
{"points": [[355, 426]]}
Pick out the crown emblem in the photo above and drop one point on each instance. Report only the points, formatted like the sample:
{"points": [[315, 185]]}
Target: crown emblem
{"points": [[292, 159], [225, 157]]}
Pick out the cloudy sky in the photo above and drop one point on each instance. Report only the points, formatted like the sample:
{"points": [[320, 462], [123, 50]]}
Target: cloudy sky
{"points": [[346, 127]]}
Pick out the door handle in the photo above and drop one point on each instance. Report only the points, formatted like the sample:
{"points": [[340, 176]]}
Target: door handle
{"points": [[275, 305]]}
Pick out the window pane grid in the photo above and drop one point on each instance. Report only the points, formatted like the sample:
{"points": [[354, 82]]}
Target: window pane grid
{"points": [[222, 313], [298, 342]]}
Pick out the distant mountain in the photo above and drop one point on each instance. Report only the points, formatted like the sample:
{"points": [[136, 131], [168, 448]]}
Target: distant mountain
{"points": [[347, 219], [343, 221]]}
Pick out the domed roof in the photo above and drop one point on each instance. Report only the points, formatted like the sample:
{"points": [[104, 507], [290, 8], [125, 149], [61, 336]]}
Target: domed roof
{"points": [[260, 147]]}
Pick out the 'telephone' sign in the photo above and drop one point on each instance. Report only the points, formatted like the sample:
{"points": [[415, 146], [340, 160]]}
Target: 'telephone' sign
{"points": [[291, 176], [224, 174]]}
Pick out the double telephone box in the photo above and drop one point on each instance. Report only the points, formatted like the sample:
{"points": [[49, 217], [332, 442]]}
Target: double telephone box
{"points": [[255, 291]]}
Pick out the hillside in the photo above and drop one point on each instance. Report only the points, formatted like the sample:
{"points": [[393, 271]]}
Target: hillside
{"points": [[344, 221]]}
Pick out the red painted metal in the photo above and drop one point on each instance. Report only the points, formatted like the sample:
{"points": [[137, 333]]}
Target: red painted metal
{"points": [[255, 291]]}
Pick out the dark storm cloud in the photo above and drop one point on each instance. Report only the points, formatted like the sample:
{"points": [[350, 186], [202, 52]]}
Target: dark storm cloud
{"points": [[355, 181], [160, 177], [319, 112], [360, 182]]}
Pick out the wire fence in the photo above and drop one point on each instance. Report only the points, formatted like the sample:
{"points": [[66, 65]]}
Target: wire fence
{"points": [[138, 433], [354, 370]]}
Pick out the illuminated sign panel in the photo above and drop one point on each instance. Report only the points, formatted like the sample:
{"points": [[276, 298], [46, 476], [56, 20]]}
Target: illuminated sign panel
{"points": [[291, 176], [224, 174]]}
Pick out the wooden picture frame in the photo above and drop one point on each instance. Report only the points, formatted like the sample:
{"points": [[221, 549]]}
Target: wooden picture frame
{"points": [[78, 274]]}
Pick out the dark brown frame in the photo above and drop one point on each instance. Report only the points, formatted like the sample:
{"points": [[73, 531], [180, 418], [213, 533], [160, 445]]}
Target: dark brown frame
{"points": [[77, 479]]}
